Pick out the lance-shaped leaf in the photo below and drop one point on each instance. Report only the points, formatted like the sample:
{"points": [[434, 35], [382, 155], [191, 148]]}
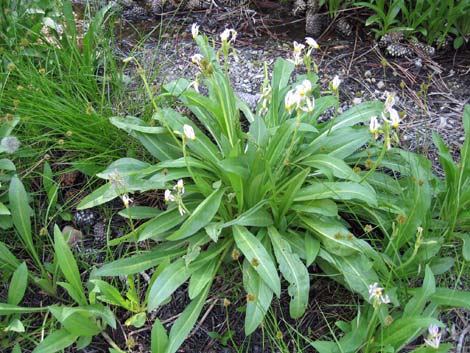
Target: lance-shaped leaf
{"points": [[200, 217], [55, 342], [294, 271], [258, 257], [259, 297], [173, 276]]}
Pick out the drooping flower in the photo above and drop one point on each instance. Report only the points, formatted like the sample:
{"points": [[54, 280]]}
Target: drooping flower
{"points": [[389, 101], [374, 126], [169, 196], [311, 42], [434, 336], [179, 186], [309, 105], [196, 59], [394, 118], [126, 200], [304, 88], [292, 100], [335, 83], [189, 132], [195, 30], [229, 34]]}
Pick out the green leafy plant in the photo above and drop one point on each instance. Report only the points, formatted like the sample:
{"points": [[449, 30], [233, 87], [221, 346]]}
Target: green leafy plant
{"points": [[283, 194], [386, 16]]}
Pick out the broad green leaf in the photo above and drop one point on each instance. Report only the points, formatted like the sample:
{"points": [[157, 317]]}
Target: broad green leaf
{"points": [[123, 167], [320, 207], [159, 338], [312, 247], [404, 330], [137, 263], [18, 284], [16, 348], [451, 298], [200, 278], [422, 295], [108, 293], [68, 264], [256, 216], [6, 164], [335, 237], [289, 190], [140, 212], [258, 257], [21, 214], [337, 191], [158, 227], [357, 114], [138, 320], [173, 276], [55, 342], [4, 211], [8, 261], [294, 271], [183, 325], [76, 323], [130, 123], [465, 245], [328, 164], [99, 196], [259, 297], [15, 325], [200, 217]]}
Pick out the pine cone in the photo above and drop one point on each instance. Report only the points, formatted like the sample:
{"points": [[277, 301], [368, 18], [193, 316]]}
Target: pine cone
{"points": [[343, 28], [399, 50], [314, 24]]}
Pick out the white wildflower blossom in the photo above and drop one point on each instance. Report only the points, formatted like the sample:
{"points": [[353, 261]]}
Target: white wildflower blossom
{"points": [[312, 43], [229, 34], [335, 83], [169, 197], [196, 59], [374, 126], [394, 118], [126, 200], [195, 30], [304, 88], [181, 210], [434, 336], [10, 144], [292, 100], [376, 295], [309, 105], [179, 186], [195, 85], [389, 101], [298, 47], [189, 132]]}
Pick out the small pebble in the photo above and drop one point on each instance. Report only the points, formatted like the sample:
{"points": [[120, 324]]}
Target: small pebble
{"points": [[381, 85], [368, 73]]}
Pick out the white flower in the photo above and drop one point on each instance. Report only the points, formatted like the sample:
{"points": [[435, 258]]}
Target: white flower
{"points": [[181, 210], [335, 83], [309, 105], [375, 291], [196, 59], [394, 118], [228, 34], [389, 101], [311, 43], [189, 132], [292, 100], [377, 296], [304, 88], [126, 200], [168, 196], [179, 186], [298, 47], [374, 126], [434, 336], [10, 144], [195, 30], [195, 85]]}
